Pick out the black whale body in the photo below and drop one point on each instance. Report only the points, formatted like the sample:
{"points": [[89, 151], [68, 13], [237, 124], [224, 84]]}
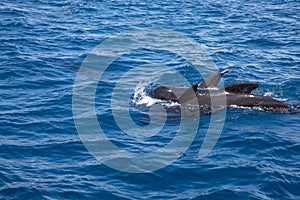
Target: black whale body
{"points": [[237, 95]]}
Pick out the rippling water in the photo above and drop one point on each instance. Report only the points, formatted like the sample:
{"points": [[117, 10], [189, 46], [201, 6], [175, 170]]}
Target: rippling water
{"points": [[43, 44]]}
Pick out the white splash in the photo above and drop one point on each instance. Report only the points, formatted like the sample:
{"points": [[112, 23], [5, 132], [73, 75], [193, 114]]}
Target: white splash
{"points": [[140, 96]]}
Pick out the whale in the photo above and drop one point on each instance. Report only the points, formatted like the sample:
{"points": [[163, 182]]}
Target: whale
{"points": [[238, 95]]}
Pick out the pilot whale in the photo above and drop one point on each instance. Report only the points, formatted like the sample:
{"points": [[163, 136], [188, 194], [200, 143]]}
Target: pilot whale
{"points": [[237, 95]]}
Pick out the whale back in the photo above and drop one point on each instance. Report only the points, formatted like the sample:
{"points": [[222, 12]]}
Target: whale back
{"points": [[241, 88], [180, 95]]}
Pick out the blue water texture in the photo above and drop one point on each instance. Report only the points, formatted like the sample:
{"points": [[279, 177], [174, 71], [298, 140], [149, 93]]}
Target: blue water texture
{"points": [[44, 43]]}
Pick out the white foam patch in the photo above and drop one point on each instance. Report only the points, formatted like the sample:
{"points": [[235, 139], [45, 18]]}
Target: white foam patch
{"points": [[170, 104], [148, 101], [245, 107], [281, 99], [268, 94]]}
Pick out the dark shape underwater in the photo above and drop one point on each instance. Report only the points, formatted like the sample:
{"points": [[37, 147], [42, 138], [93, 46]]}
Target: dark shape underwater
{"points": [[237, 95]]}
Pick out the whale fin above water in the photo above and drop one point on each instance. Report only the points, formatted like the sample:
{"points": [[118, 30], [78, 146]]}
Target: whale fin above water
{"points": [[212, 80], [242, 88], [183, 95]]}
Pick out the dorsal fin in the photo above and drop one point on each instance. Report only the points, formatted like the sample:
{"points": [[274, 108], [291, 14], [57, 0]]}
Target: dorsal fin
{"points": [[212, 80], [243, 88]]}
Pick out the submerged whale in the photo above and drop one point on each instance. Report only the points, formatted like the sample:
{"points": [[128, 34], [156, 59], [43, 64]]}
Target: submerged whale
{"points": [[235, 95]]}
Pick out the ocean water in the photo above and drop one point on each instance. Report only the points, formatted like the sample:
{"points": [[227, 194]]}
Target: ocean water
{"points": [[45, 43]]}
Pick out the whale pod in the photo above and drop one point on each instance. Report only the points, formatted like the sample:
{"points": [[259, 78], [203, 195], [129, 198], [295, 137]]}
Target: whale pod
{"points": [[237, 95]]}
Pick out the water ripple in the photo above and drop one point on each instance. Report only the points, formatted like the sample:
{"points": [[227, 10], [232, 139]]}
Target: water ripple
{"points": [[43, 44]]}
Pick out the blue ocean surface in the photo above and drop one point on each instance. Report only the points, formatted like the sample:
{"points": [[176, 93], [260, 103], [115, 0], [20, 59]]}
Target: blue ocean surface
{"points": [[43, 45]]}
